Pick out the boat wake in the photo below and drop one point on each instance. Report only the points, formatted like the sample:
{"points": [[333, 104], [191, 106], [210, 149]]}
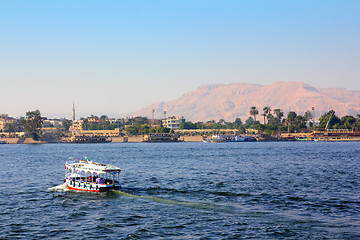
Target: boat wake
{"points": [[197, 205], [59, 188]]}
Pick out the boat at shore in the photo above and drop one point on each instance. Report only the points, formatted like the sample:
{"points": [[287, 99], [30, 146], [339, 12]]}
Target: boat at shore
{"points": [[332, 135], [89, 139], [162, 137], [229, 138], [86, 175]]}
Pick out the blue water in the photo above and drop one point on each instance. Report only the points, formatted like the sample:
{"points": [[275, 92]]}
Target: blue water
{"points": [[260, 190]]}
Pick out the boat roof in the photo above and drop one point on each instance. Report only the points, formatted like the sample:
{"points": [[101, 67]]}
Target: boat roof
{"points": [[90, 166]]}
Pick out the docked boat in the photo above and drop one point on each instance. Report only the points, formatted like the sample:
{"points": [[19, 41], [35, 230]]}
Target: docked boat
{"points": [[218, 139], [331, 135], [89, 139], [162, 137], [229, 138], [86, 175]]}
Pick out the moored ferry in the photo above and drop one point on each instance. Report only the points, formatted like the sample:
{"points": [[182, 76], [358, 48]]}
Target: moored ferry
{"points": [[89, 139], [86, 175], [162, 137], [330, 135]]}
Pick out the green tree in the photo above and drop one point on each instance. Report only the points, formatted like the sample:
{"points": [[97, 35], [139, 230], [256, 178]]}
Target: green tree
{"points": [[33, 124], [348, 122], [250, 121], [139, 120], [66, 125], [238, 122], [279, 113], [291, 116], [329, 119], [162, 130], [300, 123], [308, 115], [131, 130], [188, 125], [221, 122], [253, 112], [9, 127], [357, 123], [273, 123], [267, 111], [145, 129], [264, 116]]}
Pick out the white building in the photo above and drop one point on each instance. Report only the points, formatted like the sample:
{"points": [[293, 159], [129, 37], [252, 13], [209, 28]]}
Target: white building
{"points": [[173, 122]]}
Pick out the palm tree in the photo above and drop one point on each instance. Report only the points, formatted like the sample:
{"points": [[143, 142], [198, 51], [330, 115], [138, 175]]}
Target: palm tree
{"points": [[264, 115], [279, 113], [267, 111], [253, 112]]}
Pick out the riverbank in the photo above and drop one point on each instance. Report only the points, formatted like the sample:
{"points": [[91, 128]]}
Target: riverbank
{"points": [[67, 139]]}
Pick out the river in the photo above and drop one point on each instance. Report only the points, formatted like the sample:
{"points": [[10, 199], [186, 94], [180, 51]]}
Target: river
{"points": [[250, 190]]}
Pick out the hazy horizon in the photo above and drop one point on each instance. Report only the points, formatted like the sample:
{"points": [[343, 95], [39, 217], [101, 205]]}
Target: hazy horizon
{"points": [[119, 56], [159, 114]]}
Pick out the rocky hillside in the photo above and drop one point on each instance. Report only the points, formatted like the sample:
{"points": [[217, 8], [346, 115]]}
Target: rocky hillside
{"points": [[229, 101]]}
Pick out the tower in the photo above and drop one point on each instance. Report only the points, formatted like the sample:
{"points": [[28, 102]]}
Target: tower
{"points": [[313, 118], [73, 112], [153, 118]]}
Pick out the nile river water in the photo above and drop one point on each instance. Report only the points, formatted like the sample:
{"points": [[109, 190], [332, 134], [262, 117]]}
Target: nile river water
{"points": [[255, 190]]}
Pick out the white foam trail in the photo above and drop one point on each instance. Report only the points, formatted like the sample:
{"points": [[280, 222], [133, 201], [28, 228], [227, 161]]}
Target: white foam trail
{"points": [[180, 203], [59, 188]]}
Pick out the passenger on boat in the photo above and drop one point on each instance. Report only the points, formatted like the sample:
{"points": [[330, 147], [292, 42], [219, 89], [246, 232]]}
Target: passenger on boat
{"points": [[99, 181]]}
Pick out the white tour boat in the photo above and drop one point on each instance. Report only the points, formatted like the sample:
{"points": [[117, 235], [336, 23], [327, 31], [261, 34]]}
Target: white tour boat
{"points": [[85, 175]]}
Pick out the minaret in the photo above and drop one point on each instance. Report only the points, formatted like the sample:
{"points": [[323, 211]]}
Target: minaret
{"points": [[73, 112], [153, 118], [313, 108]]}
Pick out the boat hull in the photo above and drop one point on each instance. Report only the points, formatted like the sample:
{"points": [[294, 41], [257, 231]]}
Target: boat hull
{"points": [[92, 187]]}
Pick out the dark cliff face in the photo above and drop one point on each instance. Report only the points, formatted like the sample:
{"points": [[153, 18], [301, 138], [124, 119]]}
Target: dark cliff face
{"points": [[229, 101]]}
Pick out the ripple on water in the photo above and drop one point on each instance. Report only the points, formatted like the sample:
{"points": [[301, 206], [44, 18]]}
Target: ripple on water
{"points": [[188, 190]]}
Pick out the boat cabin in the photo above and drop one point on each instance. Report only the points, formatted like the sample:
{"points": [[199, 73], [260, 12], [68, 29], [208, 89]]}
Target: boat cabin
{"points": [[86, 175]]}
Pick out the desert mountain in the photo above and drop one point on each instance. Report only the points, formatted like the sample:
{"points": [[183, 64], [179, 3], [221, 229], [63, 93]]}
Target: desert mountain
{"points": [[229, 101]]}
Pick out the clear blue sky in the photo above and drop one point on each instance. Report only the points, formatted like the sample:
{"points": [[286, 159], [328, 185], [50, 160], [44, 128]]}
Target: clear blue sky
{"points": [[118, 56]]}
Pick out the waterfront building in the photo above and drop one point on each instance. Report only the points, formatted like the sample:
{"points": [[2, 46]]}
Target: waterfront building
{"points": [[103, 133], [173, 122], [76, 126], [5, 121], [56, 123]]}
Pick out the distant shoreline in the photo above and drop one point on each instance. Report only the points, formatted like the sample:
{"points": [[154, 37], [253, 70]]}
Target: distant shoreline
{"points": [[64, 140]]}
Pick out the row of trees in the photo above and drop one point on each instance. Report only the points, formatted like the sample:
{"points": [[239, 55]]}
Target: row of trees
{"points": [[296, 123], [275, 121], [136, 129], [102, 123]]}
